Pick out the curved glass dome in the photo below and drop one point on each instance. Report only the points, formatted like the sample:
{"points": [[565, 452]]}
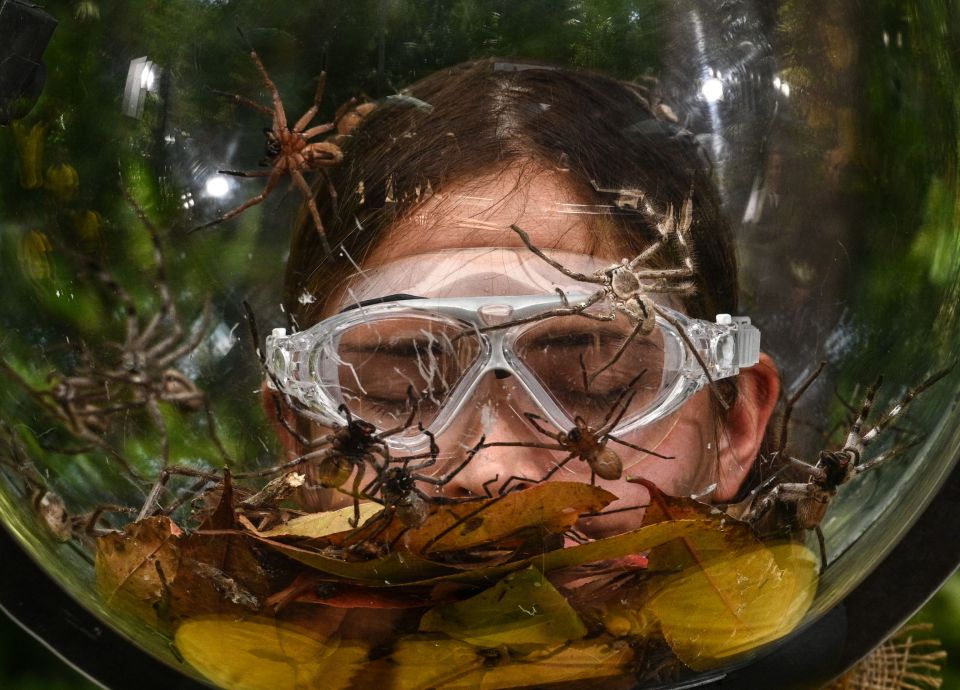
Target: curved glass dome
{"points": [[621, 490]]}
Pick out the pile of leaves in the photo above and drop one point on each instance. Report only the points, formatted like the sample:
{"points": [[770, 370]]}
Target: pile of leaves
{"points": [[486, 594]]}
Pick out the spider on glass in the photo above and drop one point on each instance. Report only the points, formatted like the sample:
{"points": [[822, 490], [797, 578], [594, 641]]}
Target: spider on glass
{"points": [[330, 461], [289, 150], [583, 441], [627, 287], [788, 506]]}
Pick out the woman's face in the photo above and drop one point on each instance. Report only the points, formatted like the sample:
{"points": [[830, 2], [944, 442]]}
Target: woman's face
{"points": [[706, 458]]}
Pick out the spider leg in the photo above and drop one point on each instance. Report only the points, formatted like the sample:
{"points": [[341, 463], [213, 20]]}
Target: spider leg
{"points": [[552, 471], [312, 111], [645, 255], [279, 116], [535, 420], [301, 183], [247, 173], [523, 444], [187, 347], [703, 365], [791, 402], [130, 308], [314, 456], [883, 457], [361, 468], [897, 409], [640, 448], [581, 277], [273, 179], [445, 479], [618, 354], [606, 425], [243, 100]]}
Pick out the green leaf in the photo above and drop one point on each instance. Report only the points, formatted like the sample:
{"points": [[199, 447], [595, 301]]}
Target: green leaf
{"points": [[521, 610]]}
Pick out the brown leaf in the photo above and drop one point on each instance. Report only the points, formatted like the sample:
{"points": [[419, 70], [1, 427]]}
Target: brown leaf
{"points": [[550, 506], [224, 516], [127, 565], [309, 588], [219, 573]]}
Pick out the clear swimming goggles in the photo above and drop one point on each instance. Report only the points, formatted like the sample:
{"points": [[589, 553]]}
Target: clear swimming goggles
{"points": [[370, 356]]}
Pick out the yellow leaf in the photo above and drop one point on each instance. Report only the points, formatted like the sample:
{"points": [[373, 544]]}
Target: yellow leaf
{"points": [[430, 664], [29, 146], [735, 603], [266, 654], [316, 525], [577, 661], [521, 610], [553, 506], [427, 664]]}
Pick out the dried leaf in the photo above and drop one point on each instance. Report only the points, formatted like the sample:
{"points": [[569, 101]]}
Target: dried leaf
{"points": [[395, 568], [310, 588], [552, 506], [127, 565], [522, 610], [218, 574], [735, 603], [266, 654]]}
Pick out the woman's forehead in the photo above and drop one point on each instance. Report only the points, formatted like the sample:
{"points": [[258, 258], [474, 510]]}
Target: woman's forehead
{"points": [[480, 213]]}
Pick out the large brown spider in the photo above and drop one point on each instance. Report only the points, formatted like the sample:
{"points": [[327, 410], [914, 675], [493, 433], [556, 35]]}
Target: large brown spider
{"points": [[289, 149], [583, 441], [789, 506], [138, 373]]}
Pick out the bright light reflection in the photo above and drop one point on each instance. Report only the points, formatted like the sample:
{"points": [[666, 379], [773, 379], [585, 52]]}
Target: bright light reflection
{"points": [[147, 77], [712, 90], [217, 186]]}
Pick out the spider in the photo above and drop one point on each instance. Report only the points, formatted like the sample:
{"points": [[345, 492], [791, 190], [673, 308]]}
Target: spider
{"points": [[136, 374], [289, 150], [628, 286], [583, 441], [347, 450], [803, 505]]}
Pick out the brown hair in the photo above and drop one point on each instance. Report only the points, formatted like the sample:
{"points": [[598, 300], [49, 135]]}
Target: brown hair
{"points": [[481, 117]]}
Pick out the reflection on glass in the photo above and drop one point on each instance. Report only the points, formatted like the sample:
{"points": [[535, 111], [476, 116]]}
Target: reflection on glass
{"points": [[519, 430]]}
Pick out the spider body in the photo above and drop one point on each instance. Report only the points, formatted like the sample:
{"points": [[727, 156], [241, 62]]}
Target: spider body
{"points": [[395, 488]]}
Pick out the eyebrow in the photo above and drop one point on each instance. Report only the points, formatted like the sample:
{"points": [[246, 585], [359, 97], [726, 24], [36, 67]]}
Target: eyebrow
{"points": [[378, 300]]}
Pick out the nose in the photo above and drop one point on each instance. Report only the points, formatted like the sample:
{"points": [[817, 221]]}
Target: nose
{"points": [[496, 414]]}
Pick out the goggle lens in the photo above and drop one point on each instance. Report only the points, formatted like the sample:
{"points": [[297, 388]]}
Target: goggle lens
{"points": [[587, 366], [381, 360]]}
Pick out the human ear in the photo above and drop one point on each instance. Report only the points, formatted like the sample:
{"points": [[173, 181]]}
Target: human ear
{"points": [[745, 425]]}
